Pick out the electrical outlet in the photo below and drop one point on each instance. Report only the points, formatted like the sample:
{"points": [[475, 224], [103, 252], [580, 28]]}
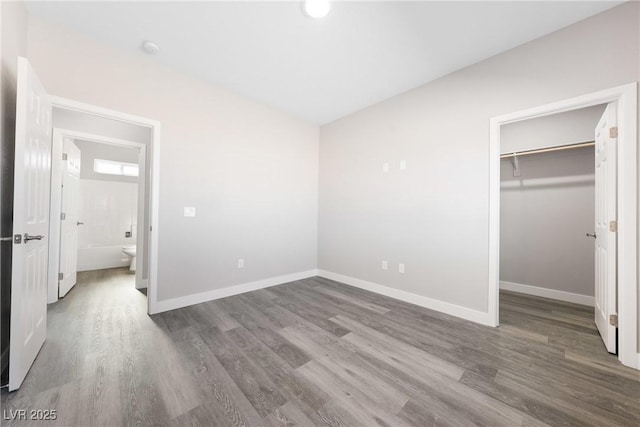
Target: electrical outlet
{"points": [[401, 268], [189, 211], [385, 266], [241, 263]]}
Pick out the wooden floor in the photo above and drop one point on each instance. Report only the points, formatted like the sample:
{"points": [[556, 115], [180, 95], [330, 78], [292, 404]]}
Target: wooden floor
{"points": [[315, 352]]}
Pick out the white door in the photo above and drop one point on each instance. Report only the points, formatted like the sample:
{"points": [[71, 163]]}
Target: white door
{"points": [[605, 229], [69, 218], [30, 224]]}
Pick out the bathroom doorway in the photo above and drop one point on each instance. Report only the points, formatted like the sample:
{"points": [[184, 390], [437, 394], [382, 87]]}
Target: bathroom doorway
{"points": [[99, 209]]}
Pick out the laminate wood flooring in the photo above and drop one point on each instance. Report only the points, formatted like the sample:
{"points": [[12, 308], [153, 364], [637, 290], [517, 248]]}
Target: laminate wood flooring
{"points": [[317, 352]]}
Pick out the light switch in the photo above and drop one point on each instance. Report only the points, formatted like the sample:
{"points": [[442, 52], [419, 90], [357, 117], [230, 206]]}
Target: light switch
{"points": [[241, 263], [385, 167], [189, 211], [403, 165], [401, 268], [385, 266]]}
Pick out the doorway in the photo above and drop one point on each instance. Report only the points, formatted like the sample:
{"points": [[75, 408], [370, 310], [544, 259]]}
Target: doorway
{"points": [[151, 173], [624, 98], [99, 208], [547, 217]]}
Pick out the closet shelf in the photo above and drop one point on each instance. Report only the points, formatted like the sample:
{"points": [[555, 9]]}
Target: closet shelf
{"points": [[546, 150]]}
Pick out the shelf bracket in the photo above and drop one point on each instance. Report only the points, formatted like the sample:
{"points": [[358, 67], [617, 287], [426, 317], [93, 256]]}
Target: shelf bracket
{"points": [[516, 165]]}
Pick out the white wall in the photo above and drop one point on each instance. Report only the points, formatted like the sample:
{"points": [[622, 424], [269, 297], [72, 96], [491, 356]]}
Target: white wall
{"points": [[108, 209], [433, 216], [544, 216], [571, 127], [13, 43], [250, 171]]}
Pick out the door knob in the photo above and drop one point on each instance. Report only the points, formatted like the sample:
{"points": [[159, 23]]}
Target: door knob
{"points": [[592, 235], [27, 237], [79, 223]]}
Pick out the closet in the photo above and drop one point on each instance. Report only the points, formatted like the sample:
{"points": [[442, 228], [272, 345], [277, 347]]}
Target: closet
{"points": [[547, 206]]}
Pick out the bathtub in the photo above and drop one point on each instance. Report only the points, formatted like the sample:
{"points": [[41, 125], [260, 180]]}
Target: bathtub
{"points": [[100, 257]]}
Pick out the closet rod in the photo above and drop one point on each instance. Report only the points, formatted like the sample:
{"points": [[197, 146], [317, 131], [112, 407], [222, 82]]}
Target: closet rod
{"points": [[546, 150]]}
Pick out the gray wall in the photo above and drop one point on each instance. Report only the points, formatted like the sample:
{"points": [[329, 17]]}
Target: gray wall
{"points": [[544, 215], [547, 210], [250, 171], [13, 17], [90, 151], [434, 215], [557, 129]]}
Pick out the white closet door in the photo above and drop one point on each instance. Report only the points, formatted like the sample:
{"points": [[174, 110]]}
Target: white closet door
{"points": [[605, 227]]}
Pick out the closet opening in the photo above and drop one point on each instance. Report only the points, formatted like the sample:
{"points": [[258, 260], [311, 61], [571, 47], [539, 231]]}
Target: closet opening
{"points": [[563, 225], [548, 204]]}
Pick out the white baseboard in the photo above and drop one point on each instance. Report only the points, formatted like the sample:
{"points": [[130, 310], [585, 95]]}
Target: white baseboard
{"points": [[548, 293], [430, 303], [172, 304], [144, 283]]}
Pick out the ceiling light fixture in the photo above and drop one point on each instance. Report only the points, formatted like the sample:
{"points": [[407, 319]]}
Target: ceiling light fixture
{"points": [[317, 8], [151, 48]]}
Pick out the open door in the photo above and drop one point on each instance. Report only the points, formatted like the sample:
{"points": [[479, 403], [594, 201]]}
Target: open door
{"points": [[606, 136], [30, 224], [69, 217]]}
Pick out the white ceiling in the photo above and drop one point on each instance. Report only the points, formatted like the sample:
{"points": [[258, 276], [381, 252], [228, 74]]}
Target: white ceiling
{"points": [[319, 70]]}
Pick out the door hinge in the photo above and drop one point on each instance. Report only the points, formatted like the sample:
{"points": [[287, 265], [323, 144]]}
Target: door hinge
{"points": [[613, 320], [63, 216], [60, 276], [613, 226], [613, 132], [64, 156]]}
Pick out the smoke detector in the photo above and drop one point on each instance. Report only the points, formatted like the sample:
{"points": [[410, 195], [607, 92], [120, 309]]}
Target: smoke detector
{"points": [[150, 47]]}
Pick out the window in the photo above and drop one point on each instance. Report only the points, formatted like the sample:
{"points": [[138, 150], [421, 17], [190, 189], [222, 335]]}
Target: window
{"points": [[111, 167]]}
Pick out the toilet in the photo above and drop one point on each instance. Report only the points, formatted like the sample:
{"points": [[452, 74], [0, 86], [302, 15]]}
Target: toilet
{"points": [[130, 251]]}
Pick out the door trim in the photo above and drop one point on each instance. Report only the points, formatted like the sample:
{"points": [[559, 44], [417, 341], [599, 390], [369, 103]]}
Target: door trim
{"points": [[56, 200], [153, 156], [626, 97]]}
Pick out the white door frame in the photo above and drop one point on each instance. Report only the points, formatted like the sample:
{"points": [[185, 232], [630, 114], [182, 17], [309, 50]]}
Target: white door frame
{"points": [[56, 200], [626, 97], [153, 162]]}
